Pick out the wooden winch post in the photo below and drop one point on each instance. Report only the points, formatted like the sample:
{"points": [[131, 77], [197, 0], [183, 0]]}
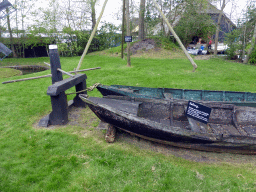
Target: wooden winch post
{"points": [[59, 114]]}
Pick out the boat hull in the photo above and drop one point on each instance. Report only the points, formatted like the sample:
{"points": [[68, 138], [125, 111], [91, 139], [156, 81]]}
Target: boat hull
{"points": [[169, 135], [236, 98]]}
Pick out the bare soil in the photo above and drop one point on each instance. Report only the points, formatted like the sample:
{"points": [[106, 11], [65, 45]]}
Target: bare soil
{"points": [[188, 154], [145, 45], [203, 57]]}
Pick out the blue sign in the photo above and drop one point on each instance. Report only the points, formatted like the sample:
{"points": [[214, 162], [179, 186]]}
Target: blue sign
{"points": [[198, 112], [128, 39]]}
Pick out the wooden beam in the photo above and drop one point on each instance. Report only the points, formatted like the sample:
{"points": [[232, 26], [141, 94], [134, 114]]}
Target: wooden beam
{"points": [[39, 77], [176, 37], [91, 37], [25, 79], [65, 84]]}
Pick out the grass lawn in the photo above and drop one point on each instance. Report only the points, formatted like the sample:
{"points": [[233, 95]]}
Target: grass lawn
{"points": [[76, 157], [7, 72]]}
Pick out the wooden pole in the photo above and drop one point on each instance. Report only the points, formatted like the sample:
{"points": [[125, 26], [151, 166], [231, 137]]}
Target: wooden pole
{"points": [[91, 37], [128, 33], [67, 73], [40, 77], [62, 71], [25, 79], [85, 70], [176, 37], [122, 47]]}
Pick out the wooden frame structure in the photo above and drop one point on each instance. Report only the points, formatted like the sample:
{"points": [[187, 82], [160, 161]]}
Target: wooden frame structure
{"points": [[59, 114]]}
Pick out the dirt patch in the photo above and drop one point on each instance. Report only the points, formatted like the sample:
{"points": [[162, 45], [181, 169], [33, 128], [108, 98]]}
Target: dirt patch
{"points": [[81, 122], [188, 154], [145, 45], [191, 155], [203, 57], [148, 48]]}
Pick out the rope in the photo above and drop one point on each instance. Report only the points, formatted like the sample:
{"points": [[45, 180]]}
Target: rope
{"points": [[88, 89]]}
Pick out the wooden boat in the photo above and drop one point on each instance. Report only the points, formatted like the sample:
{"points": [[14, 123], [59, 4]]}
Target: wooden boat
{"points": [[230, 128], [236, 98]]}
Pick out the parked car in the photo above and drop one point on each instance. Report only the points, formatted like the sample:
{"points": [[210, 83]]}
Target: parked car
{"points": [[194, 51]]}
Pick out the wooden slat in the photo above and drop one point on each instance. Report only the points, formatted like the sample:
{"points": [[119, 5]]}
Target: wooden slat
{"points": [[241, 130], [250, 130], [226, 130]]}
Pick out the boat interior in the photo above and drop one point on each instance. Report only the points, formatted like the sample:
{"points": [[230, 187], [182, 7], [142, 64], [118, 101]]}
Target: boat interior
{"points": [[225, 119]]}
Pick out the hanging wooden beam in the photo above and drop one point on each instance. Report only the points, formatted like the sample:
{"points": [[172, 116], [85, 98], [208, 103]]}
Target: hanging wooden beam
{"points": [[44, 76], [176, 37], [91, 37]]}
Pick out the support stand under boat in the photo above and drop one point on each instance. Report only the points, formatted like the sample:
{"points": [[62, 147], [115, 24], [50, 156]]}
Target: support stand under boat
{"points": [[59, 114]]}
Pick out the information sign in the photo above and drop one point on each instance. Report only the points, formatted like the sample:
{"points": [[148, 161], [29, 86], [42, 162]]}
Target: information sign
{"points": [[128, 39], [198, 112]]}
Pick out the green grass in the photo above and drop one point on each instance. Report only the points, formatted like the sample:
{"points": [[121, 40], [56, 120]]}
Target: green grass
{"points": [[76, 158], [165, 49], [24, 61], [7, 72]]}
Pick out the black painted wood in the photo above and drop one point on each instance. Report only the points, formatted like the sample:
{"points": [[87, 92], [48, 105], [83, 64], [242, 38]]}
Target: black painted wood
{"points": [[59, 114], [55, 64], [66, 84]]}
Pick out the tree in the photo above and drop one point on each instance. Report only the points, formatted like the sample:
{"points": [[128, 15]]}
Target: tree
{"points": [[108, 36], [242, 40], [153, 19], [194, 22], [251, 12], [233, 40], [141, 20], [10, 31], [218, 27]]}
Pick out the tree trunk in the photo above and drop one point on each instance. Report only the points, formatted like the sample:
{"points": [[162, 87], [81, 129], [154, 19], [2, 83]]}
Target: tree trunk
{"points": [[244, 42], [10, 31], [141, 20], [162, 20], [252, 46], [23, 30], [218, 28], [128, 33], [1, 28]]}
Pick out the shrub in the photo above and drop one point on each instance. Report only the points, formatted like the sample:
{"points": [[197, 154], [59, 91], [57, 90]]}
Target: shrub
{"points": [[252, 59], [232, 40]]}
